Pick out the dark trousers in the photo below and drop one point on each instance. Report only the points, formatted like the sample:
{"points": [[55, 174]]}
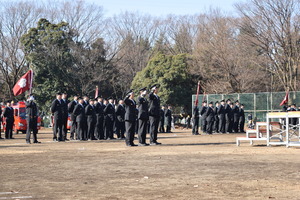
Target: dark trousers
{"points": [[216, 126], [195, 130], [109, 127], [31, 126], [79, 130], [241, 125], [168, 128], [73, 129], [142, 131], [99, 127], [90, 128], [57, 129], [120, 129], [153, 128], [228, 125], [64, 127], [204, 124], [161, 126], [9, 128], [222, 123], [209, 127], [130, 130], [236, 124]]}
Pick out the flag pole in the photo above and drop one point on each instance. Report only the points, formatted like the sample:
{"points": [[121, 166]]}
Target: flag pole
{"points": [[31, 80], [197, 97]]}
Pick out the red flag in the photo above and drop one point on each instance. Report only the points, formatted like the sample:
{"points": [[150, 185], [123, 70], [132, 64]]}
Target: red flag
{"points": [[96, 92], [286, 99], [198, 90], [24, 84]]}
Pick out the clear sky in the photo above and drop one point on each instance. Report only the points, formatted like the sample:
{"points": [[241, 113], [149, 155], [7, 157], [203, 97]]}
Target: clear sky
{"points": [[164, 7]]}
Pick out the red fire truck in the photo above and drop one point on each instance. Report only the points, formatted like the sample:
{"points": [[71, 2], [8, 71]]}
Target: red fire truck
{"points": [[20, 124]]}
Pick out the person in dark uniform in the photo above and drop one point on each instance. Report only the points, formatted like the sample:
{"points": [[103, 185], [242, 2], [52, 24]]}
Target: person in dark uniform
{"points": [[91, 120], [168, 115], [195, 130], [31, 119], [292, 121], [154, 111], [99, 130], [221, 114], [120, 120], [79, 114], [109, 111], [65, 115], [216, 122], [71, 107], [242, 119], [137, 119], [143, 117], [228, 116], [210, 118], [203, 116], [8, 113], [236, 116], [56, 110], [130, 118], [85, 103], [231, 118], [162, 120]]}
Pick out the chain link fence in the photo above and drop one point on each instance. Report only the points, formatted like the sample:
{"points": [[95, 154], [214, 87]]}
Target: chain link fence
{"points": [[258, 104]]}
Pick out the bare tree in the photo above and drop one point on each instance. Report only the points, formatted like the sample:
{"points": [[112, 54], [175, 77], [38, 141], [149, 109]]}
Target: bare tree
{"points": [[223, 63], [15, 19], [273, 27]]}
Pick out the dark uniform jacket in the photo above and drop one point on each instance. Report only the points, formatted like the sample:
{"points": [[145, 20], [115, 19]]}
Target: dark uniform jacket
{"points": [[79, 113], [120, 113], [236, 112], [196, 112], [56, 109], [216, 113], [8, 113], [242, 114], [210, 114], [143, 108], [228, 110], [203, 111], [168, 115], [99, 108], [65, 103], [90, 112], [109, 111], [31, 110], [154, 105], [162, 115], [130, 107], [221, 110], [71, 107]]}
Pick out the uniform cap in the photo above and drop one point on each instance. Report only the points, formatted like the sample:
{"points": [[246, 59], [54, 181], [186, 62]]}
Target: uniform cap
{"points": [[154, 86], [211, 102], [129, 91], [143, 89], [217, 102]]}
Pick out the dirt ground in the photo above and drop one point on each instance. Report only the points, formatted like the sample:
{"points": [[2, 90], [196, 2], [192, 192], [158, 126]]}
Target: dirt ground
{"points": [[184, 167]]}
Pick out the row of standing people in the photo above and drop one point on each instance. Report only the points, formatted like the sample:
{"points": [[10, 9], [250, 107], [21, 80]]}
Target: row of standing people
{"points": [[100, 119], [224, 117]]}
